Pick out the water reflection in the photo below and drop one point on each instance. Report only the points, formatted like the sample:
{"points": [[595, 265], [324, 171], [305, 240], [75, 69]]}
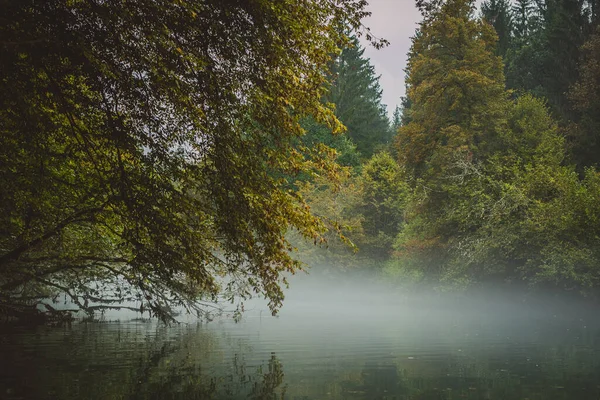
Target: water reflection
{"points": [[422, 354], [134, 361]]}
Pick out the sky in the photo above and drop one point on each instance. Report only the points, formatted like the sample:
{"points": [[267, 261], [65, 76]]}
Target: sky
{"points": [[396, 21]]}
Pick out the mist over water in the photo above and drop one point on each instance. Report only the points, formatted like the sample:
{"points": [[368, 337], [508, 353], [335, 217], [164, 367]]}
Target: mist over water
{"points": [[335, 338]]}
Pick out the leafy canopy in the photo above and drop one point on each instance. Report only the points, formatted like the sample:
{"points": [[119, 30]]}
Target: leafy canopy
{"points": [[491, 197], [141, 142]]}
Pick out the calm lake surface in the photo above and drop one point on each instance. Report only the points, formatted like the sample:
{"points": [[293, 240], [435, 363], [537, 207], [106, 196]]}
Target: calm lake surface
{"points": [[350, 342]]}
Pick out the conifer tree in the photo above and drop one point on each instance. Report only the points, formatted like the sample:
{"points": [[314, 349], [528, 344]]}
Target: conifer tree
{"points": [[498, 14], [545, 55], [356, 93], [522, 14], [457, 108], [383, 193], [455, 90], [585, 98], [564, 35], [491, 197], [524, 62], [397, 119]]}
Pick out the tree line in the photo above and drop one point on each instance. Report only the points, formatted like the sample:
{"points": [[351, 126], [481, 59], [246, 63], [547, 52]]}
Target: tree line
{"points": [[491, 176]]}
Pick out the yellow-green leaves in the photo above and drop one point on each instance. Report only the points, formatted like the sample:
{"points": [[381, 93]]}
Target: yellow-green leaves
{"points": [[143, 144]]}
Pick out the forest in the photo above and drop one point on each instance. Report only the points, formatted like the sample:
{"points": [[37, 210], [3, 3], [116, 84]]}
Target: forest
{"points": [[489, 174], [159, 154]]}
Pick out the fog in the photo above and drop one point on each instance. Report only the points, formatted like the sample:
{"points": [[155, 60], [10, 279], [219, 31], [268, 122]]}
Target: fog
{"points": [[338, 336], [353, 307], [357, 295]]}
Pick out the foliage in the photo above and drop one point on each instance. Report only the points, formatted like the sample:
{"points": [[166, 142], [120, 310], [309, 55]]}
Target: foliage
{"points": [[494, 200], [318, 134], [383, 194], [585, 97], [543, 222], [543, 61], [550, 53], [457, 104], [364, 210], [498, 14], [396, 119], [142, 140], [457, 98], [356, 94], [522, 15], [335, 204]]}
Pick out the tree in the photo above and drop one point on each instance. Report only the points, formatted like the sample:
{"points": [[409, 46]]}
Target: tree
{"points": [[455, 90], [142, 140], [525, 59], [316, 134], [364, 210], [585, 98], [397, 119], [522, 13], [501, 208], [495, 237], [356, 94], [498, 14], [564, 33], [458, 108], [383, 193], [542, 225], [336, 205], [546, 52]]}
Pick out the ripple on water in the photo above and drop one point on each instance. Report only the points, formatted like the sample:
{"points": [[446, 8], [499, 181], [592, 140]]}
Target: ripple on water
{"points": [[307, 354]]}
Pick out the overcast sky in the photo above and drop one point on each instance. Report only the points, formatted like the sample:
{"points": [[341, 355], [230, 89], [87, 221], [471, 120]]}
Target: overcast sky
{"points": [[396, 21]]}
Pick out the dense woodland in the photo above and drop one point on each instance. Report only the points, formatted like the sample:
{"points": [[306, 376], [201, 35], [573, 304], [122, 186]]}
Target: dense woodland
{"points": [[492, 172], [177, 153]]}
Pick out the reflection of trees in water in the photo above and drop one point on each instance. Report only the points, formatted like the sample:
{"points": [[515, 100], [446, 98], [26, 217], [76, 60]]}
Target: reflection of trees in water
{"points": [[135, 362], [118, 362], [376, 381], [558, 371], [187, 379], [266, 387], [197, 367]]}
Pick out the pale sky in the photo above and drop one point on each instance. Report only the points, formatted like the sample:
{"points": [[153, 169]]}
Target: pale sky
{"points": [[396, 21]]}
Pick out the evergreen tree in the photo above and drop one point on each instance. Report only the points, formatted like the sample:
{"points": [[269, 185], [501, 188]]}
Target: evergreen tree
{"points": [[492, 199], [405, 117], [317, 134], [594, 12], [383, 194], [397, 119], [458, 106], [564, 34], [585, 97], [498, 14], [356, 94], [522, 13], [545, 55], [455, 87]]}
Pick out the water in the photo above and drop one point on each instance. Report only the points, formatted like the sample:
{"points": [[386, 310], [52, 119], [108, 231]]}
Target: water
{"points": [[350, 342]]}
